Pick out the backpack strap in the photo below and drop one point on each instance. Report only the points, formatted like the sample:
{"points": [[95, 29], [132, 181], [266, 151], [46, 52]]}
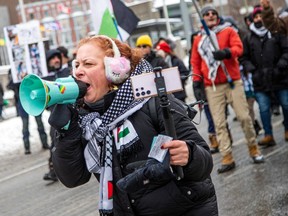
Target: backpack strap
{"points": [[153, 112]]}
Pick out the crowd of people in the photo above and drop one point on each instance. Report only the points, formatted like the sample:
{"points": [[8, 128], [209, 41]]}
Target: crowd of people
{"points": [[105, 136]]}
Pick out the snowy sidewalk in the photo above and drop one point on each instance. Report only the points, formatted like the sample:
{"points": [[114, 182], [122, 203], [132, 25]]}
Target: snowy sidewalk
{"points": [[11, 142]]}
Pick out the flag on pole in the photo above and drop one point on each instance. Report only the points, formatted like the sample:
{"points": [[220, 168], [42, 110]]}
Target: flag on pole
{"points": [[113, 18]]}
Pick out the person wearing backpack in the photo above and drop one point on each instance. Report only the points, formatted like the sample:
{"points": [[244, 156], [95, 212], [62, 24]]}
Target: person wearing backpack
{"points": [[110, 135]]}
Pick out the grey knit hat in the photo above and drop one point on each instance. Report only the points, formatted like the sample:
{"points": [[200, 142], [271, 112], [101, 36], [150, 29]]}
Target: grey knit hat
{"points": [[208, 8]]}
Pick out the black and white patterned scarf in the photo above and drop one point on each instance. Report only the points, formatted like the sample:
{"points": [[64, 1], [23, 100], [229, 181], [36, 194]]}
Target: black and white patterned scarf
{"points": [[97, 130], [206, 48]]}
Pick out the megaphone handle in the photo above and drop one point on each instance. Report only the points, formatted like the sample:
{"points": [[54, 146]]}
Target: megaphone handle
{"points": [[60, 117]]}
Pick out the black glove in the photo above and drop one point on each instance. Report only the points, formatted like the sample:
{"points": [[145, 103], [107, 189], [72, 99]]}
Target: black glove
{"points": [[282, 63], [219, 55], [199, 91], [152, 172], [64, 118]]}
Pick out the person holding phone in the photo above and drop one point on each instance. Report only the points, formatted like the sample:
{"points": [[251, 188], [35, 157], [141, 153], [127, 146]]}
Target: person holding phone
{"points": [[110, 135]]}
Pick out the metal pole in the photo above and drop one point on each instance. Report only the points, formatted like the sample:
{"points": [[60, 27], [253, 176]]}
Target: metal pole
{"points": [[22, 11], [186, 21], [221, 8], [168, 27]]}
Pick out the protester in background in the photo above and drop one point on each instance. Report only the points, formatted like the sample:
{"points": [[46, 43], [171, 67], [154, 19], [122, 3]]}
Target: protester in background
{"points": [[250, 97], [168, 41], [144, 42], [199, 94], [66, 61], [248, 20], [25, 118], [206, 63], [55, 70], [173, 61], [266, 57], [1, 102], [278, 25], [106, 110]]}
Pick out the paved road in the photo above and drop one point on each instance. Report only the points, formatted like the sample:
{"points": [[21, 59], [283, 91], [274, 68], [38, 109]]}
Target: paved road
{"points": [[250, 190]]}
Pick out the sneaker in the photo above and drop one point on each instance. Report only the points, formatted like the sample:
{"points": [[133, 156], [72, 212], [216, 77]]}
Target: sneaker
{"points": [[276, 110], [50, 176], [258, 159], [286, 135], [27, 151], [45, 146], [267, 141]]}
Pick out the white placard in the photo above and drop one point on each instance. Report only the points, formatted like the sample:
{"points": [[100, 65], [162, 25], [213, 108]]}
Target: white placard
{"points": [[26, 50]]}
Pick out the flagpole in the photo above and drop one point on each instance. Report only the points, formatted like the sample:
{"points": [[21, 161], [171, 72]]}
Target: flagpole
{"points": [[168, 27], [22, 11], [115, 22], [116, 26]]}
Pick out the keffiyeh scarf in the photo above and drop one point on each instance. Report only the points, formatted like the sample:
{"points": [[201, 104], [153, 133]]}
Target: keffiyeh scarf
{"points": [[206, 48], [97, 130], [261, 32]]}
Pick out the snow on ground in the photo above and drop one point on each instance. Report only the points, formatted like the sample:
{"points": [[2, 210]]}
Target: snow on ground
{"points": [[11, 141]]}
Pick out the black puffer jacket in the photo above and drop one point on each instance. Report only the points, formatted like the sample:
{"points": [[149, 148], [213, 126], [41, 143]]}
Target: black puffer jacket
{"points": [[156, 61], [184, 72], [267, 59], [193, 195]]}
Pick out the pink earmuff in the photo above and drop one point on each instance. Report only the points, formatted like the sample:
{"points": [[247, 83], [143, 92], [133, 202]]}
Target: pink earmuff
{"points": [[117, 69]]}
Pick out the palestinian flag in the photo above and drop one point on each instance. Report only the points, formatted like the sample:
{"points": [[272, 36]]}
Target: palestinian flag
{"points": [[113, 18]]}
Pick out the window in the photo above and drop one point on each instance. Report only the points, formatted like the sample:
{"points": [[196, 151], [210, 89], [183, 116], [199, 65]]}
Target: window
{"points": [[65, 33], [79, 25]]}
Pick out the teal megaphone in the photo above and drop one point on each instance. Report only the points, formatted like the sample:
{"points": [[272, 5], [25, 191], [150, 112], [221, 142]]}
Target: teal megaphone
{"points": [[36, 94]]}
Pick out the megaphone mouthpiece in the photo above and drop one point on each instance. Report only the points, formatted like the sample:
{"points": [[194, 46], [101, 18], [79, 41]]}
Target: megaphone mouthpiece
{"points": [[82, 88]]}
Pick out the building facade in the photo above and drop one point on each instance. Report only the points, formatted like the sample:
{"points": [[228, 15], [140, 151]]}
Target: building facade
{"points": [[64, 22]]}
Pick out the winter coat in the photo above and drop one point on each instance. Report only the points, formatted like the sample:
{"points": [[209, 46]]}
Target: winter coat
{"points": [[193, 195], [176, 62], [261, 57], [274, 24], [227, 38], [156, 61]]}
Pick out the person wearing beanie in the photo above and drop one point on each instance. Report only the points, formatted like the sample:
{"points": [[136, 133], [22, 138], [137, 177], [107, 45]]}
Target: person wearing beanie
{"points": [[206, 10], [144, 40], [209, 74], [173, 61], [66, 62], [266, 57], [144, 43], [271, 22]]}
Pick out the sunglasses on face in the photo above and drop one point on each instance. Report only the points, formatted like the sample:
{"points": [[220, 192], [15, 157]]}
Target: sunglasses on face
{"points": [[142, 46], [210, 12]]}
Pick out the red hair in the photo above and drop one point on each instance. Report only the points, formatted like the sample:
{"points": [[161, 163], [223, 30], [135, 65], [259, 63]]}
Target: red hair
{"points": [[134, 55]]}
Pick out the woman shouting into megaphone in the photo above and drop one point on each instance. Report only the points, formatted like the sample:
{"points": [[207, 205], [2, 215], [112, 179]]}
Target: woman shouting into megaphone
{"points": [[110, 135]]}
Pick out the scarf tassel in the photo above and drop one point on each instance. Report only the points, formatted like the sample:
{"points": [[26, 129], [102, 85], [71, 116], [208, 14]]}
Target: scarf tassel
{"points": [[128, 150], [103, 212]]}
